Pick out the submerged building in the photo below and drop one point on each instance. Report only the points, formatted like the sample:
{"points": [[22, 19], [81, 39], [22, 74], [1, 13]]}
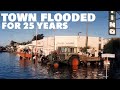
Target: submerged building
{"points": [[49, 44]]}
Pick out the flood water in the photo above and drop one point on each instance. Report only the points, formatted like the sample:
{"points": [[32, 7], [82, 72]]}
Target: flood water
{"points": [[11, 67]]}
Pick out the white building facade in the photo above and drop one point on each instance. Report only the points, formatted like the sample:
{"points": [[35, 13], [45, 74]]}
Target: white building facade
{"points": [[49, 44]]}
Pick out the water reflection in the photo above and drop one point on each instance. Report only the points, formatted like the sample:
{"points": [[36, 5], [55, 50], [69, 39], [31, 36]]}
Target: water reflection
{"points": [[77, 72], [65, 72], [11, 67], [24, 63]]}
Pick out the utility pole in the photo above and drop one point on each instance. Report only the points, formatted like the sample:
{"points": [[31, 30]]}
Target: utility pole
{"points": [[36, 45], [79, 34], [86, 44], [78, 41], [54, 40]]}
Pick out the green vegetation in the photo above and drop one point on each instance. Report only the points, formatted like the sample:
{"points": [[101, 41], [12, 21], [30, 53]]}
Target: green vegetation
{"points": [[112, 46], [39, 37], [84, 49], [13, 43]]}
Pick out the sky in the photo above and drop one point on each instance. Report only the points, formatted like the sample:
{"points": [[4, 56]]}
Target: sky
{"points": [[98, 28]]}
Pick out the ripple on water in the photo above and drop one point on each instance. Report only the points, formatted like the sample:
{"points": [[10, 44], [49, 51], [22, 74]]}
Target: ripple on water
{"points": [[13, 68]]}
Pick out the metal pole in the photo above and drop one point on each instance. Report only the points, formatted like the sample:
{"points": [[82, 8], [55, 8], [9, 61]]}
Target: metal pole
{"points": [[106, 67]]}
